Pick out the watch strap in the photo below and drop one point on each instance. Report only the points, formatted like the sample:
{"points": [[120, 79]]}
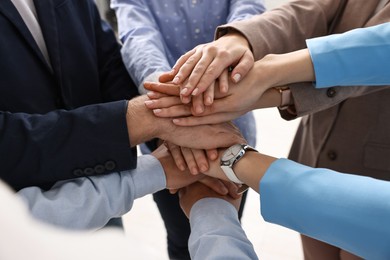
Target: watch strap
{"points": [[230, 174]]}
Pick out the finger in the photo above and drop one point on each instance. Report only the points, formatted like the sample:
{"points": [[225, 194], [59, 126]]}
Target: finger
{"points": [[232, 189], [215, 184], [190, 160], [155, 95], [181, 61], [207, 119], [166, 76], [212, 154], [243, 66], [187, 67], [223, 81], [163, 102], [208, 96], [174, 111], [176, 155], [173, 191], [165, 88], [197, 104], [201, 160]]}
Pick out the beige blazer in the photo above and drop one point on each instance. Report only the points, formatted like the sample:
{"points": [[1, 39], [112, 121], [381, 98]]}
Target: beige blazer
{"points": [[346, 129]]}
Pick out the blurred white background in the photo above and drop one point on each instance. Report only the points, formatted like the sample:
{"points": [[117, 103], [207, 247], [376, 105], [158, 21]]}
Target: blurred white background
{"points": [[144, 226]]}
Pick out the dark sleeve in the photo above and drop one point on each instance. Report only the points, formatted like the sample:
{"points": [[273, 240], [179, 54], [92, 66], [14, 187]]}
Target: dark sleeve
{"points": [[41, 149], [115, 81]]}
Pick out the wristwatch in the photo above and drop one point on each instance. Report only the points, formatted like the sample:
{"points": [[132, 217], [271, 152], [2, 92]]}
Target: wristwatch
{"points": [[230, 157]]}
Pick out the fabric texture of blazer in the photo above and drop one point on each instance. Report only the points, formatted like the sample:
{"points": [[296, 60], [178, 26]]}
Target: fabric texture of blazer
{"points": [[343, 128], [68, 121]]}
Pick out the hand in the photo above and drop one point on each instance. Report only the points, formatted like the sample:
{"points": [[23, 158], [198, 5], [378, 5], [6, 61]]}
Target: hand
{"points": [[253, 92], [191, 194], [176, 178], [193, 159], [198, 69]]}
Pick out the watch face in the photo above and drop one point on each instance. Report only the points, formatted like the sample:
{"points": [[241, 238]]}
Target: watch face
{"points": [[231, 152]]}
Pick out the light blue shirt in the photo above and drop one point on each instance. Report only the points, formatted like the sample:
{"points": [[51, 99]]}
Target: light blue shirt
{"points": [[156, 33], [90, 202], [357, 57]]}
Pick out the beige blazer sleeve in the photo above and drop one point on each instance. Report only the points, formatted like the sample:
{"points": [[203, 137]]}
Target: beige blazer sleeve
{"points": [[286, 28]]}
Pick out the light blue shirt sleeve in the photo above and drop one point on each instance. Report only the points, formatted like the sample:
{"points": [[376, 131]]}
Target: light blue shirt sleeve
{"points": [[143, 50], [156, 33], [244, 9], [216, 232], [357, 57], [90, 202], [349, 211]]}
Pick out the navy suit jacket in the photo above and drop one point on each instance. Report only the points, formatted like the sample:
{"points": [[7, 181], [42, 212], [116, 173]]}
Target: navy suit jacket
{"points": [[67, 121]]}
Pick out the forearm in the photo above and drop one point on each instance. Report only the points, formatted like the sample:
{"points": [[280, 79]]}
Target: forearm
{"points": [[216, 232], [96, 136], [336, 57], [88, 203], [300, 198]]}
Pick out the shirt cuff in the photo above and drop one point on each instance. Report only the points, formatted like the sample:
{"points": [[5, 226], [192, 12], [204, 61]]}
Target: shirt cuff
{"points": [[149, 177]]}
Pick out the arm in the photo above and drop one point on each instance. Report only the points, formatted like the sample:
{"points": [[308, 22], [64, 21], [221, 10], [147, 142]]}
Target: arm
{"points": [[42, 149], [96, 199], [244, 9], [100, 198], [216, 232], [358, 205], [335, 57], [142, 41], [301, 197]]}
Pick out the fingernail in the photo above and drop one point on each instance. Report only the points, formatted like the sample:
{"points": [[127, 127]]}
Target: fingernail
{"points": [[195, 92], [150, 93], [149, 102], [209, 101], [176, 80], [172, 71], [157, 111], [199, 109], [176, 121], [236, 78], [183, 91], [224, 190], [194, 170], [203, 168]]}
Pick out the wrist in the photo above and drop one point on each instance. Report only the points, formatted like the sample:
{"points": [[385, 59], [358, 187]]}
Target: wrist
{"points": [[141, 123], [251, 168]]}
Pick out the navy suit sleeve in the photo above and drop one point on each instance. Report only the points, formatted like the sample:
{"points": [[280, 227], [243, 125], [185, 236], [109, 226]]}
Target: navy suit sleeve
{"points": [[41, 149]]}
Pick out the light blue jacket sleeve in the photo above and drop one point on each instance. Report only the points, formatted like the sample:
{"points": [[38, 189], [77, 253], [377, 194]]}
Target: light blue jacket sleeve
{"points": [[244, 9], [216, 232], [349, 211], [142, 40], [357, 57], [89, 203]]}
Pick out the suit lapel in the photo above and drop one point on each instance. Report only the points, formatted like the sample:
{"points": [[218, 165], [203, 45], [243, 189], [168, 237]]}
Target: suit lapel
{"points": [[9, 10]]}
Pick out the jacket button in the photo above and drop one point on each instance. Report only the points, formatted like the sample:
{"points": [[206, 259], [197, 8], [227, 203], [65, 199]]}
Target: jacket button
{"points": [[89, 171], [99, 169], [110, 165], [78, 172], [332, 155], [331, 92]]}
